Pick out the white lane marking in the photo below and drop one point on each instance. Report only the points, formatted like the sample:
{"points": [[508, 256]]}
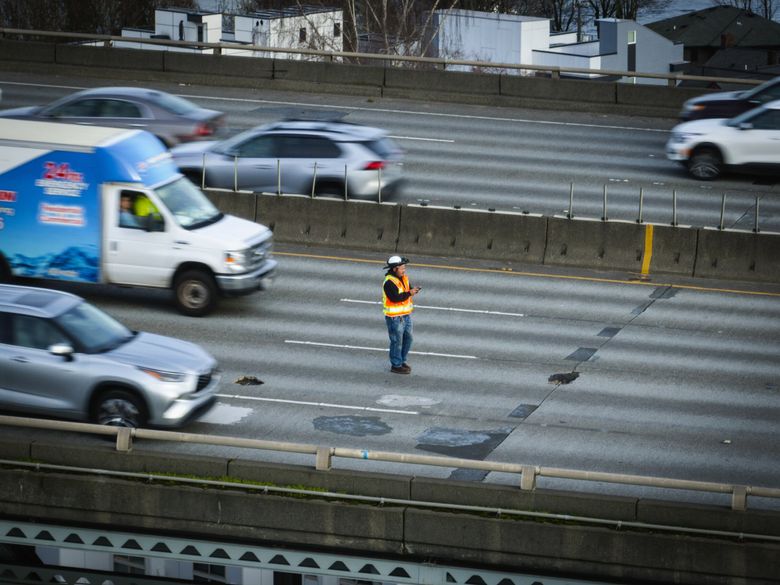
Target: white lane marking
{"points": [[318, 404], [225, 414], [401, 400], [340, 346], [383, 110], [434, 308], [422, 139]]}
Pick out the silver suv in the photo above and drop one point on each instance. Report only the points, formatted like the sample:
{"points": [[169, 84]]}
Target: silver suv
{"points": [[61, 356], [298, 157]]}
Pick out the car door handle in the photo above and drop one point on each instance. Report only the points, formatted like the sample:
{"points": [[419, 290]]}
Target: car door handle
{"points": [[20, 359], [263, 166], [138, 125], [180, 243]]}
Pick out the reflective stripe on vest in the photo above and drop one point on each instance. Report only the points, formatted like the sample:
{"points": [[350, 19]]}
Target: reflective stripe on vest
{"points": [[392, 309]]}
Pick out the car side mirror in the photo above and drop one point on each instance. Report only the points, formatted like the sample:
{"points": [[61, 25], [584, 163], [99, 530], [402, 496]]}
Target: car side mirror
{"points": [[62, 350], [745, 126]]}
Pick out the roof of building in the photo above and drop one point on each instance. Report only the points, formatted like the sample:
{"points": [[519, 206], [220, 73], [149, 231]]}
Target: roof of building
{"points": [[299, 10], [706, 28]]}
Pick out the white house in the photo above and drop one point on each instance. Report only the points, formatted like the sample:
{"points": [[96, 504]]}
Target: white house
{"points": [[297, 27], [301, 27], [622, 45]]}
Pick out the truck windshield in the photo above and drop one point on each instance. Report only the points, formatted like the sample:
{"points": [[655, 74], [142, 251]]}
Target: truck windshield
{"points": [[188, 204], [93, 329]]}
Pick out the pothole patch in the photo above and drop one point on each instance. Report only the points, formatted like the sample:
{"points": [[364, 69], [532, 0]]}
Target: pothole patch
{"points": [[354, 426]]}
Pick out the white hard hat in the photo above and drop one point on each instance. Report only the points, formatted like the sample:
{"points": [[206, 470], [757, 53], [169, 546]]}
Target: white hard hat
{"points": [[394, 261]]}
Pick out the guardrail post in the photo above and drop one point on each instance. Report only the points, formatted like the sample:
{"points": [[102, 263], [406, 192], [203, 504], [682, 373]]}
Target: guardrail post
{"points": [[323, 459], [528, 478], [124, 439], [755, 225], [235, 173], [278, 176], [379, 186], [570, 215], [722, 211], [674, 207], [314, 180], [346, 183], [604, 215], [739, 498], [641, 203]]}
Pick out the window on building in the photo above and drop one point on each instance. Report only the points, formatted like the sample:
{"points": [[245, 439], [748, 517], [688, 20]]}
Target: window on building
{"points": [[128, 564], [207, 573], [336, 29], [631, 37], [302, 35]]}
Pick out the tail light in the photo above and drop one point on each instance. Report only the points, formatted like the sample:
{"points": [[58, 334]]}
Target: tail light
{"points": [[203, 130], [375, 165]]}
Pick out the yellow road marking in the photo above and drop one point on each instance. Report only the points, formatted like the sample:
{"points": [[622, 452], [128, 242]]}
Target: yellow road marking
{"points": [[511, 272], [648, 253]]}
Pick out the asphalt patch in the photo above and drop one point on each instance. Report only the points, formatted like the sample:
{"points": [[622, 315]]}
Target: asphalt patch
{"points": [[563, 378], [583, 354], [460, 443], [609, 331], [298, 113], [248, 381], [355, 426], [523, 411]]}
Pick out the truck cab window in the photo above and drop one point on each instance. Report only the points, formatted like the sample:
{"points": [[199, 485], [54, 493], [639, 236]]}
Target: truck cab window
{"points": [[127, 215]]}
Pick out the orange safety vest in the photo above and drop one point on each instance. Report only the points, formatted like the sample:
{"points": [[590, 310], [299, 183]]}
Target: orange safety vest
{"points": [[392, 309]]}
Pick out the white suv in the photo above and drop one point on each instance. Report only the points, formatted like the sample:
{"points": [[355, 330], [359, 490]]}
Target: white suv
{"points": [[750, 141]]}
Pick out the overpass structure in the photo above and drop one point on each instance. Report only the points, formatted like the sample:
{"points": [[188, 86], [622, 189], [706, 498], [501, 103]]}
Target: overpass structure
{"points": [[399, 518]]}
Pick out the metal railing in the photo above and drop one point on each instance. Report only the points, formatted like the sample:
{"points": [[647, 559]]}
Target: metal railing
{"points": [[553, 71], [323, 458]]}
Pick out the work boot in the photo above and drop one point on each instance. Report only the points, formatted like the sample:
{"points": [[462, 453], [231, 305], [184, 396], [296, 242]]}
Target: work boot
{"points": [[400, 369], [407, 366]]}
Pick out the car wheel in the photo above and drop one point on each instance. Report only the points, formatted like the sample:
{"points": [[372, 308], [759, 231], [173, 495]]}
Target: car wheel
{"points": [[119, 408], [196, 293], [705, 164]]}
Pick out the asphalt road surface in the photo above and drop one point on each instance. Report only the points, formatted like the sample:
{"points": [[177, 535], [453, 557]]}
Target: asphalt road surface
{"points": [[501, 158], [676, 379]]}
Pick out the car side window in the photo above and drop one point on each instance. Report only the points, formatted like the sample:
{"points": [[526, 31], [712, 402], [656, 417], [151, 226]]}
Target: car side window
{"points": [[34, 332], [5, 328], [769, 120], [118, 109], [314, 147], [770, 93], [86, 108], [258, 147]]}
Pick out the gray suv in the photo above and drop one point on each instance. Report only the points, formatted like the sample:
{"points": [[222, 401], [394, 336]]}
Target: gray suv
{"points": [[61, 356], [301, 157]]}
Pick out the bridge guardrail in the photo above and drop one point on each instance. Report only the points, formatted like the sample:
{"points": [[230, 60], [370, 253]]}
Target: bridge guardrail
{"points": [[324, 457]]}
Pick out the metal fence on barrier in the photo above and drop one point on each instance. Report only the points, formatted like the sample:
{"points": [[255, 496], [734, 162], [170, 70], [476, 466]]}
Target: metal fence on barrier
{"points": [[323, 457]]}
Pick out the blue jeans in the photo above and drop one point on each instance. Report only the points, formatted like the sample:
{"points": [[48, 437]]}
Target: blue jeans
{"points": [[400, 331]]}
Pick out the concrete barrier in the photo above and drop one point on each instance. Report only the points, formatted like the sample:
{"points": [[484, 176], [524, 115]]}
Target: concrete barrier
{"points": [[330, 222], [111, 58], [472, 234], [338, 74], [668, 99], [420, 83], [567, 90], [673, 250], [709, 517], [248, 68], [26, 51], [595, 244], [240, 204], [738, 255]]}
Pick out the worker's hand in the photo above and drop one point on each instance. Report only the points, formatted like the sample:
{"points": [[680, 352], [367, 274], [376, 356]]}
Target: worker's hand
{"points": [[415, 290]]}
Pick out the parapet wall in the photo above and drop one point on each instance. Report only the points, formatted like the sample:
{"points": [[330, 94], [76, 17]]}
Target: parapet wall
{"points": [[510, 542], [511, 237], [366, 80]]}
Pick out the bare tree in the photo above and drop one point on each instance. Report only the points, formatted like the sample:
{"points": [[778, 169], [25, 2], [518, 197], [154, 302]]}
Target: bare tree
{"points": [[764, 8], [627, 9]]}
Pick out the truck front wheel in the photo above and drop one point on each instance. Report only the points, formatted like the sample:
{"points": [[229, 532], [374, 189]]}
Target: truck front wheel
{"points": [[196, 293], [118, 408]]}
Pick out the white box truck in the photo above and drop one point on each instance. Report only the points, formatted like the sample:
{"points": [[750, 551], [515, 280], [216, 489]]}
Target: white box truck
{"points": [[107, 205]]}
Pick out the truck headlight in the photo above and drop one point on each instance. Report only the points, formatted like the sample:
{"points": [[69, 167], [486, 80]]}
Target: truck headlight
{"points": [[236, 261], [164, 376]]}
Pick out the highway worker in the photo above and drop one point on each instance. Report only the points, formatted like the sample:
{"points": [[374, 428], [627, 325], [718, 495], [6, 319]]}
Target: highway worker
{"points": [[397, 305]]}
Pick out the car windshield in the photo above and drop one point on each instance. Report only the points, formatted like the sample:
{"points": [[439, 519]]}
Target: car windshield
{"points": [[93, 330], [175, 104], [188, 204], [743, 117]]}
